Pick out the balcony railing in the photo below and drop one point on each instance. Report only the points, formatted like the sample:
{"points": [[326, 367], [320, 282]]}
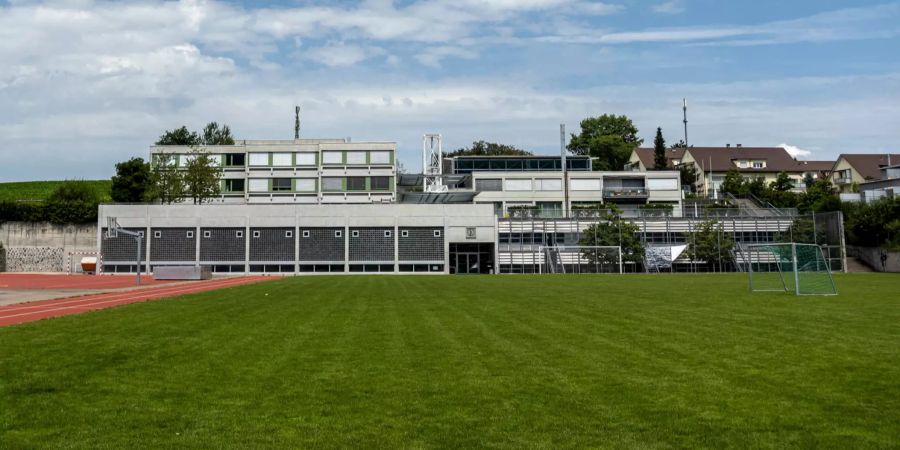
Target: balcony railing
{"points": [[625, 192]]}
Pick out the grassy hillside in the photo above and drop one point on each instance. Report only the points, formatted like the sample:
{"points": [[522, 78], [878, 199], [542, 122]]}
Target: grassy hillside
{"points": [[668, 361], [40, 190]]}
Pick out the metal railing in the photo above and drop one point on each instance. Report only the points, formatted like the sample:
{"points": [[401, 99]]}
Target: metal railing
{"points": [[625, 192]]}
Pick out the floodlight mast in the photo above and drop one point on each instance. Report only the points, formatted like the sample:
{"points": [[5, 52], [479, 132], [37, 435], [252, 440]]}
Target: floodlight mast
{"points": [[432, 164]]}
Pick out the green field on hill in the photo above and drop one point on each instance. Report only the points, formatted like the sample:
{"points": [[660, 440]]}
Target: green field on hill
{"points": [[634, 361], [40, 190]]}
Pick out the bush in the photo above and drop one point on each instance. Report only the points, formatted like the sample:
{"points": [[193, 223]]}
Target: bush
{"points": [[72, 202]]}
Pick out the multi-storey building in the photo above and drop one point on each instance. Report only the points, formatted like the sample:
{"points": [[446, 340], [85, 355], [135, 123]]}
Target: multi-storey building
{"points": [[851, 170], [302, 171]]}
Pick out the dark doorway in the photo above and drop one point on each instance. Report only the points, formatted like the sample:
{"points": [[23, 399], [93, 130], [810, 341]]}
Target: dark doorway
{"points": [[468, 259]]}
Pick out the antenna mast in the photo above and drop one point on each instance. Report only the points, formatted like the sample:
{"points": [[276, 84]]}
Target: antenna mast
{"points": [[432, 164], [684, 109], [297, 122]]}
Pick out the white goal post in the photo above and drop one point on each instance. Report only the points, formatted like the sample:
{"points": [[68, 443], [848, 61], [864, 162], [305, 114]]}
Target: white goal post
{"points": [[581, 259], [788, 267]]}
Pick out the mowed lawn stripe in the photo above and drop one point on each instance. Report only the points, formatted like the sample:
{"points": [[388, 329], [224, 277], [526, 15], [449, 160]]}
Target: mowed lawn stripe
{"points": [[465, 362]]}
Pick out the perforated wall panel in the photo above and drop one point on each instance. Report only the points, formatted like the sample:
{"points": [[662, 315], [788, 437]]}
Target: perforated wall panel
{"points": [[321, 244], [222, 244], [173, 244], [272, 244], [371, 244], [421, 244], [122, 248]]}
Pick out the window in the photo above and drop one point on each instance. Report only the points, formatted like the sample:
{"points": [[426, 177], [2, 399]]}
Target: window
{"points": [[517, 185], [207, 234], [157, 234], [759, 164], [306, 233], [380, 183], [493, 184], [404, 233], [379, 157], [259, 185], [387, 233], [282, 159], [332, 184], [256, 234], [356, 183], [234, 185], [281, 184], [189, 235], [259, 159], [288, 234], [548, 184], [305, 184], [333, 157], [238, 234], [338, 233], [235, 159], [437, 233], [305, 159], [356, 157], [354, 234], [585, 184]]}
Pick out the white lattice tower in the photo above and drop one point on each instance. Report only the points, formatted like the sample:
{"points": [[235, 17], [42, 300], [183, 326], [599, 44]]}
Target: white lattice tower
{"points": [[432, 164]]}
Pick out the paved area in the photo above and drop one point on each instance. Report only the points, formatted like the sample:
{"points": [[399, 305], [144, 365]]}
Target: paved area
{"points": [[29, 287]]}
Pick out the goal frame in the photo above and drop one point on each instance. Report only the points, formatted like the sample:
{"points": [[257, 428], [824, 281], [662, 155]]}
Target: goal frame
{"points": [[794, 268], [542, 250]]}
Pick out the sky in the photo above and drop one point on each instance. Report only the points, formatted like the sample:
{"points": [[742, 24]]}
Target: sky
{"points": [[84, 84]]}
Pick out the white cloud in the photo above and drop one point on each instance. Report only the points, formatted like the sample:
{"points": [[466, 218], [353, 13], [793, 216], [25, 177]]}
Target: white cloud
{"points": [[340, 54], [795, 151], [671, 7], [432, 56]]}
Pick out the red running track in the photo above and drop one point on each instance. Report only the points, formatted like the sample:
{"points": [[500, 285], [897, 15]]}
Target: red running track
{"points": [[27, 312], [55, 281]]}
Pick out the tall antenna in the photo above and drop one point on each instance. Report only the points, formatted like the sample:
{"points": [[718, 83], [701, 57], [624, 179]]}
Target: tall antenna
{"points": [[565, 170], [297, 122], [432, 164], [684, 109]]}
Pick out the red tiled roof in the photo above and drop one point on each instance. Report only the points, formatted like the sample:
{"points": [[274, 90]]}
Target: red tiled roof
{"points": [[777, 159], [869, 165], [646, 155]]}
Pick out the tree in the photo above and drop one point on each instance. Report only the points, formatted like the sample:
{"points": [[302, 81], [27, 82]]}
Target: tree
{"points": [[133, 182], [609, 139], [179, 136], [72, 201], [213, 135], [168, 181], [614, 231], [710, 244], [734, 183], [679, 144], [659, 151], [783, 183], [201, 177], [809, 180], [819, 197], [758, 188], [688, 174], [484, 148]]}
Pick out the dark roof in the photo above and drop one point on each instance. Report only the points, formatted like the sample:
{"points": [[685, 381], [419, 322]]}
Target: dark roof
{"points": [[722, 159], [646, 155], [869, 165], [816, 166]]}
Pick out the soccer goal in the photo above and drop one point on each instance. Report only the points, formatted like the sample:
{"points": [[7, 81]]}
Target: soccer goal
{"points": [[789, 267], [581, 259]]}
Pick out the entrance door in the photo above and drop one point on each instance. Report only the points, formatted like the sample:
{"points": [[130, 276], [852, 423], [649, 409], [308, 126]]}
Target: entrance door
{"points": [[468, 263]]}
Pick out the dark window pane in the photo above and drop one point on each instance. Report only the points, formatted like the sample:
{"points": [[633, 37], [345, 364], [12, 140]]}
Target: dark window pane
{"points": [[356, 183], [482, 164], [533, 164], [381, 183], [234, 185], [498, 164], [515, 164], [281, 184]]}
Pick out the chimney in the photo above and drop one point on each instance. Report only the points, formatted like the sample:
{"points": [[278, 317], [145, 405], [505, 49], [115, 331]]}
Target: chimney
{"points": [[739, 145], [727, 145]]}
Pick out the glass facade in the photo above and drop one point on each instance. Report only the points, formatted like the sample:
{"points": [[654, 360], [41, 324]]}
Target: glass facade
{"points": [[466, 165]]}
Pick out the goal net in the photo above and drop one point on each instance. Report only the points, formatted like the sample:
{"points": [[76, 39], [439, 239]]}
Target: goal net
{"points": [[581, 259], [790, 267]]}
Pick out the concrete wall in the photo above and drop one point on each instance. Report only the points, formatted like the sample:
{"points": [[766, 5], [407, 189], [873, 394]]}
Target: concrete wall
{"points": [[872, 257], [44, 247]]}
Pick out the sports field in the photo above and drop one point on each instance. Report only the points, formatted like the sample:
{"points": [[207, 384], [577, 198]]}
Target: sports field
{"points": [[465, 362]]}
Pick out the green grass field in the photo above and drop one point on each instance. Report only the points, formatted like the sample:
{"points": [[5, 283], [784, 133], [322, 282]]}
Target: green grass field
{"points": [[465, 362], [40, 190]]}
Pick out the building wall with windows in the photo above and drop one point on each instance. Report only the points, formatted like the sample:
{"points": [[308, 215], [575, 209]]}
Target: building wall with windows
{"points": [[303, 171], [545, 190]]}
